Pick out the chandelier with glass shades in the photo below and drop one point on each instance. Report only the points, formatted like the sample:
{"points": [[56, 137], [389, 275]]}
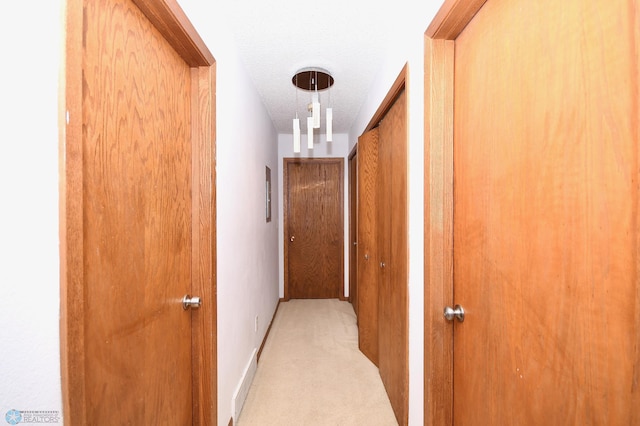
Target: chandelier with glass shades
{"points": [[314, 81]]}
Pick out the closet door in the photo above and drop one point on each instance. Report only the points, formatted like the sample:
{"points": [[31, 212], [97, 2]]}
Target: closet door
{"points": [[353, 231], [391, 220], [367, 245]]}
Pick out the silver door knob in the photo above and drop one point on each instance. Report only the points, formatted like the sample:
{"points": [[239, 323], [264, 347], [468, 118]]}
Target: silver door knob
{"points": [[293, 237], [190, 302], [456, 312]]}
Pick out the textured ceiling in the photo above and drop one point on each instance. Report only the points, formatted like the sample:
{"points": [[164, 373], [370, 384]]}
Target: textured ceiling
{"points": [[349, 38]]}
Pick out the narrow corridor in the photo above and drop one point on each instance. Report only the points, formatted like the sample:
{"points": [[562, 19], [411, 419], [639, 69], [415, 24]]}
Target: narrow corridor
{"points": [[311, 371]]}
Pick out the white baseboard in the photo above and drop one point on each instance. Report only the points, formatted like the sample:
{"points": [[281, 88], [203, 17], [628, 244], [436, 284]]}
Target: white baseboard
{"points": [[243, 388]]}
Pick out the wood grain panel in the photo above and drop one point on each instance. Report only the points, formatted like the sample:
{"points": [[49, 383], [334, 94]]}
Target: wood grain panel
{"points": [[204, 336], [314, 228], [367, 245], [438, 354], [392, 243], [546, 213], [353, 231], [137, 194], [121, 127], [168, 17], [70, 157], [452, 17]]}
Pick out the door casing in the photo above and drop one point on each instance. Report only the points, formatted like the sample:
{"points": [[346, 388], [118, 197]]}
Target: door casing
{"points": [[440, 37], [175, 27]]}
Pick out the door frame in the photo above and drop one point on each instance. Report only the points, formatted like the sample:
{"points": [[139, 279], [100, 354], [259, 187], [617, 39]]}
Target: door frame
{"points": [[440, 36], [170, 20], [285, 210]]}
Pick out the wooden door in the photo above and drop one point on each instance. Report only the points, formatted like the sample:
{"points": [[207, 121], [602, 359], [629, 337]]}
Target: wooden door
{"points": [[391, 235], [367, 245], [545, 231], [314, 228], [353, 231], [137, 220]]}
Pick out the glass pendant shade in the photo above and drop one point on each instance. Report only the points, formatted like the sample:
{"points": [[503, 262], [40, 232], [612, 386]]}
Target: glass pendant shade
{"points": [[315, 110], [296, 135], [329, 119], [310, 132]]}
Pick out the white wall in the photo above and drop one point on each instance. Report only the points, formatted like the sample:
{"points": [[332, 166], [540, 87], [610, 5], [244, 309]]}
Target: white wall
{"points": [[339, 147], [29, 259], [247, 244], [409, 49]]}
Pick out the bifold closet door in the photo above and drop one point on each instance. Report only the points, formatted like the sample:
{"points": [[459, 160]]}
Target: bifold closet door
{"points": [[391, 220], [367, 245]]}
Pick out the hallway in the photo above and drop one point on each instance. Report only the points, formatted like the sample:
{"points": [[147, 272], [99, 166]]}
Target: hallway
{"points": [[311, 371]]}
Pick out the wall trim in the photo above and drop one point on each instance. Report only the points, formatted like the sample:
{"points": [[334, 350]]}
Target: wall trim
{"points": [[266, 335]]}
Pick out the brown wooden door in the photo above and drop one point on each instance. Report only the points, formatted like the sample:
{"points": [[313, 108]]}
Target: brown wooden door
{"points": [[138, 228], [353, 231], [314, 228], [367, 245], [546, 235], [391, 236], [137, 186]]}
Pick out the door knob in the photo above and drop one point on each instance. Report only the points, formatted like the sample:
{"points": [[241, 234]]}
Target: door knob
{"points": [[190, 302], [293, 237], [456, 312]]}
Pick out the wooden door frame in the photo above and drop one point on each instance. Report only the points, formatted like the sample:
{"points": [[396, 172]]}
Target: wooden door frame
{"points": [[440, 36], [399, 84], [285, 210], [175, 27]]}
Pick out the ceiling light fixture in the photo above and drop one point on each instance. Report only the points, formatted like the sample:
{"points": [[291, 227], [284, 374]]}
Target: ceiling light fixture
{"points": [[312, 80]]}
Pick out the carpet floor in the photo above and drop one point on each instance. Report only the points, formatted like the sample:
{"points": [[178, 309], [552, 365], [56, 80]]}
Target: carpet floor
{"points": [[311, 371]]}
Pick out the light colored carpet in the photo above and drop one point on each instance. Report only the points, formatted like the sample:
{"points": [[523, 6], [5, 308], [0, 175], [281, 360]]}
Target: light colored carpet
{"points": [[312, 373]]}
